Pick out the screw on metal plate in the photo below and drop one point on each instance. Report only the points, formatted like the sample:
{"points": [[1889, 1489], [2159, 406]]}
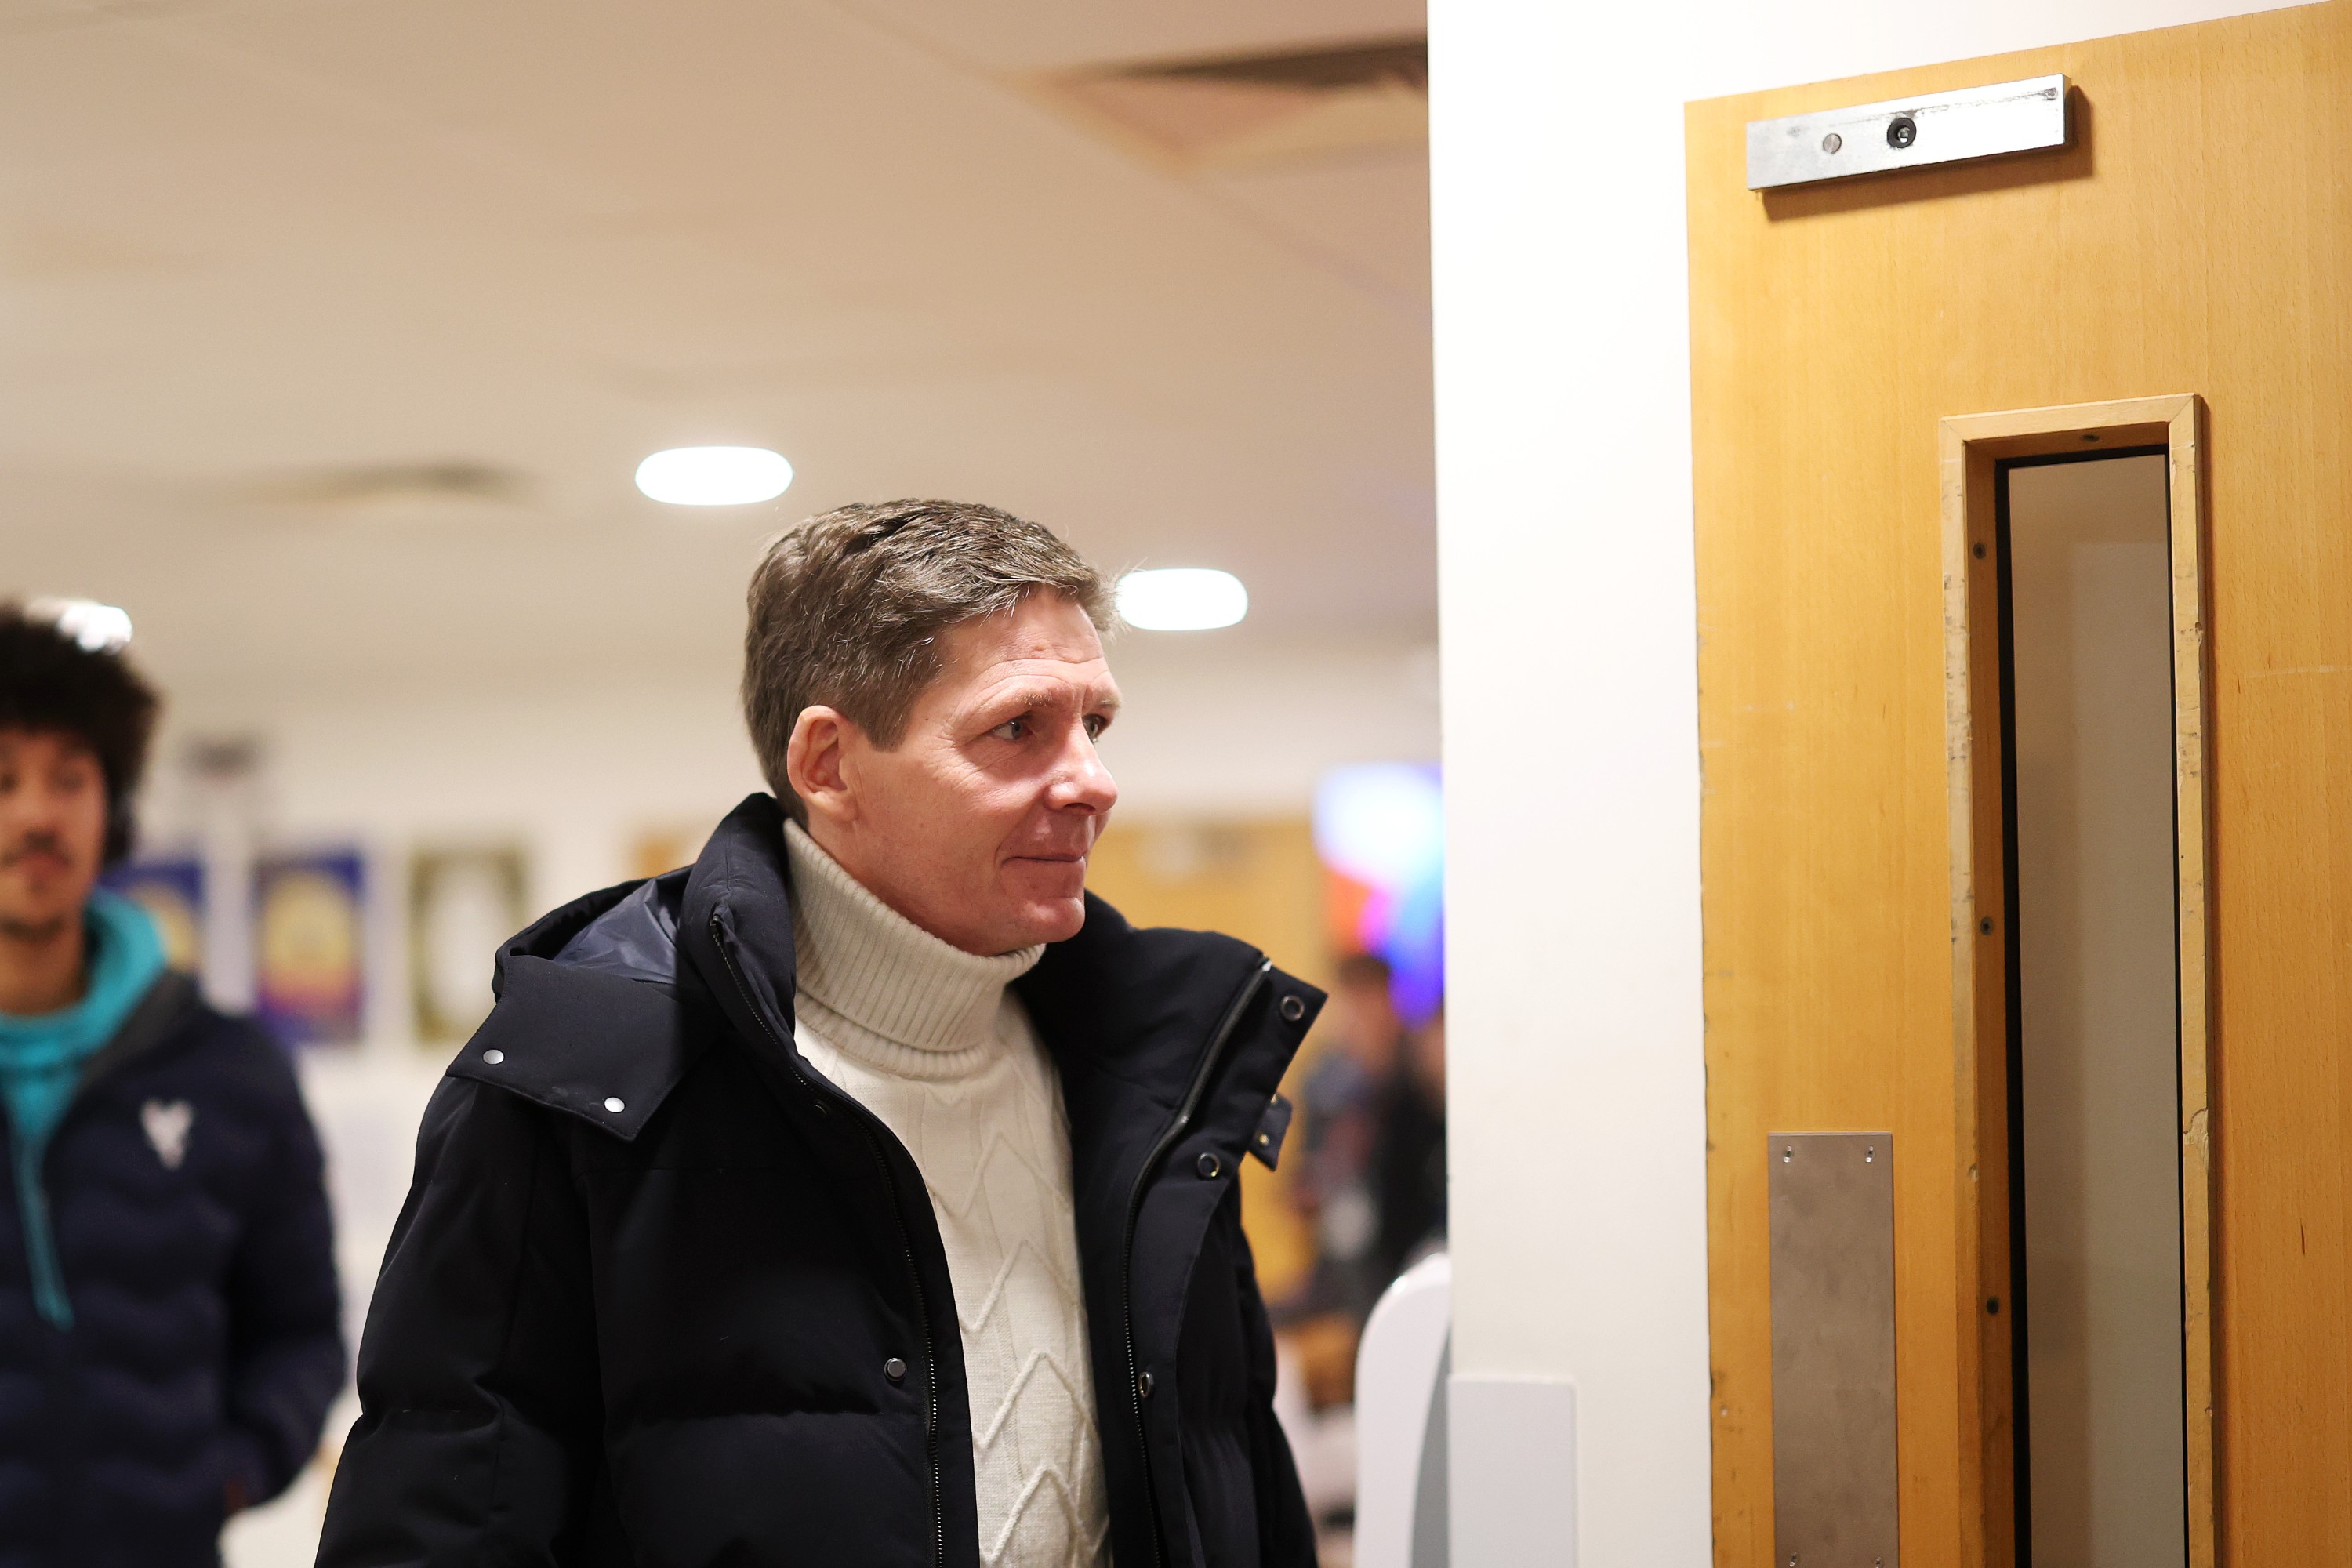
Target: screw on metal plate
{"points": [[1833, 142], [1870, 1154], [1902, 131], [1787, 1153]]}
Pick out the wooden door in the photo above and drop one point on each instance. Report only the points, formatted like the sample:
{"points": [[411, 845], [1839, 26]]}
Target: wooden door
{"points": [[2192, 245]]}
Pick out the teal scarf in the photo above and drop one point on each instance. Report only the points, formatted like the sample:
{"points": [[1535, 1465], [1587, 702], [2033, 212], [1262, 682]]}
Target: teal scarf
{"points": [[41, 1057]]}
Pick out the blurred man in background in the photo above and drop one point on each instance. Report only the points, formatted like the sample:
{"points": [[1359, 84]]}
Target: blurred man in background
{"points": [[1371, 1178], [1409, 1153], [1341, 1107], [170, 1332]]}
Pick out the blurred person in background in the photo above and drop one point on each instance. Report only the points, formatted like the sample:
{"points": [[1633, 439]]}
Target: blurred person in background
{"points": [[170, 1331], [1341, 1107], [864, 1192], [1409, 1152]]}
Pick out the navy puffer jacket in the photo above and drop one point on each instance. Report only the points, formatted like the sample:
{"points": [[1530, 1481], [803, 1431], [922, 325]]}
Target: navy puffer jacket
{"points": [[192, 1225]]}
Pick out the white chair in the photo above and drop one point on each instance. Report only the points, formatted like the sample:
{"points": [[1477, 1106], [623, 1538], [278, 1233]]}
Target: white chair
{"points": [[1401, 1372]]}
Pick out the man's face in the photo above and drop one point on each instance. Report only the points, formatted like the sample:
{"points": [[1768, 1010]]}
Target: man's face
{"points": [[1368, 1023], [977, 825], [52, 831]]}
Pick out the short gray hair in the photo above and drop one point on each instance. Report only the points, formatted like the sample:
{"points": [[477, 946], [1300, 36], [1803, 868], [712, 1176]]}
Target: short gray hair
{"points": [[847, 611]]}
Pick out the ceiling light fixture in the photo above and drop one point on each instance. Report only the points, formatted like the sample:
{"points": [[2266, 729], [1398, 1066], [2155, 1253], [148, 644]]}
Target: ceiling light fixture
{"points": [[715, 476], [1181, 599], [101, 628]]}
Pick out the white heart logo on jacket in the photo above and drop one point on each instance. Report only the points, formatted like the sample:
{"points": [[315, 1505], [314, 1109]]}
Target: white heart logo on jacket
{"points": [[167, 1122]]}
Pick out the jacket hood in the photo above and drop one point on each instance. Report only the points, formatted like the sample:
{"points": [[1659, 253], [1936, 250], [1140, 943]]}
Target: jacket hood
{"points": [[592, 1008]]}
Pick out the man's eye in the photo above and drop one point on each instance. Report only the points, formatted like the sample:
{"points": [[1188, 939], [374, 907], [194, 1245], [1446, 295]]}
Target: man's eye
{"points": [[1095, 724], [1010, 730]]}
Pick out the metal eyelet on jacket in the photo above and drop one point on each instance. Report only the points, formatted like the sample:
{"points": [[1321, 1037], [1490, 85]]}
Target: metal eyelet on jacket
{"points": [[1143, 1385], [494, 1055], [614, 1106], [1210, 1167], [1294, 1008], [895, 1370]]}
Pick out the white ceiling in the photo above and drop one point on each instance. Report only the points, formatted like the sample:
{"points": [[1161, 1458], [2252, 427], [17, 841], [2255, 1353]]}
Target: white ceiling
{"points": [[242, 241]]}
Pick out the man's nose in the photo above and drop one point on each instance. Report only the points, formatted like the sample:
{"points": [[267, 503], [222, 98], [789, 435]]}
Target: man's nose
{"points": [[1084, 784], [37, 810]]}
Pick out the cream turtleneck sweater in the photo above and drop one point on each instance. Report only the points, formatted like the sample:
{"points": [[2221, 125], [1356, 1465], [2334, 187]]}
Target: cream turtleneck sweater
{"points": [[932, 1040]]}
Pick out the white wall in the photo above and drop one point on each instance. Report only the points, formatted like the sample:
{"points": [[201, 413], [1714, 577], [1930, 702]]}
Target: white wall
{"points": [[1569, 636], [1214, 724]]}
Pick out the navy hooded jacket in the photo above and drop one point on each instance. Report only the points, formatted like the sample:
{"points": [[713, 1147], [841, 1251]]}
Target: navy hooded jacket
{"points": [[190, 1222], [663, 1294]]}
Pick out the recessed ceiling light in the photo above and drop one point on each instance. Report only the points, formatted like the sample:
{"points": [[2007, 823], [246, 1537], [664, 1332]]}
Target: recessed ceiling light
{"points": [[715, 476], [101, 628], [1181, 599]]}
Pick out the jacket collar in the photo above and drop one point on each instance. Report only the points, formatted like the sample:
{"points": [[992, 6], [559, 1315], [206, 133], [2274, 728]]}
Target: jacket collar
{"points": [[166, 1009], [735, 927], [606, 1039]]}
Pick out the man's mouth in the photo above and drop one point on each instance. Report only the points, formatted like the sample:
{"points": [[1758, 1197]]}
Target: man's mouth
{"points": [[36, 858]]}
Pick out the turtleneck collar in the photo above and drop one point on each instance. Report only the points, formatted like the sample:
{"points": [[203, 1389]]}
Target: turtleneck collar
{"points": [[865, 963]]}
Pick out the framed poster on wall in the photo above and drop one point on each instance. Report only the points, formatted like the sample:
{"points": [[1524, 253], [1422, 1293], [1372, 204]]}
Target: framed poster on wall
{"points": [[170, 888], [462, 903], [309, 945]]}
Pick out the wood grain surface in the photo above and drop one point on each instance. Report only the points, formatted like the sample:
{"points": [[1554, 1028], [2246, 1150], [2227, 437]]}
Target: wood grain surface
{"points": [[2195, 238]]}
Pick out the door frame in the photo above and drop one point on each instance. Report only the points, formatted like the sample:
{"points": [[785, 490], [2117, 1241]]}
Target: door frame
{"points": [[1972, 448]]}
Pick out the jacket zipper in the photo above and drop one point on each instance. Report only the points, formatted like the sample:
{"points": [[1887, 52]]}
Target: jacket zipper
{"points": [[906, 1251], [1168, 1139]]}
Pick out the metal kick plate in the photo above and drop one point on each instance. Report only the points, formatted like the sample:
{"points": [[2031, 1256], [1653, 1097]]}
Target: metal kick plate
{"points": [[1908, 133], [1834, 1471]]}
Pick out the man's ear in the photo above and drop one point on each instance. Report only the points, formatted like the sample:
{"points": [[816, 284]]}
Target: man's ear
{"points": [[814, 763]]}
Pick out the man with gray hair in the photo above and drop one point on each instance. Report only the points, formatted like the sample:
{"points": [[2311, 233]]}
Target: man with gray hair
{"points": [[866, 1192]]}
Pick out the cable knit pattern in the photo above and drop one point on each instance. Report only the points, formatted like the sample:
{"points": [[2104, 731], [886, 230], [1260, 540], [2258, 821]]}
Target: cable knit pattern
{"points": [[932, 1041]]}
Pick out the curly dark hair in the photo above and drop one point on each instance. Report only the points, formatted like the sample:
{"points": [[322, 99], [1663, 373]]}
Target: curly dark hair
{"points": [[49, 681]]}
